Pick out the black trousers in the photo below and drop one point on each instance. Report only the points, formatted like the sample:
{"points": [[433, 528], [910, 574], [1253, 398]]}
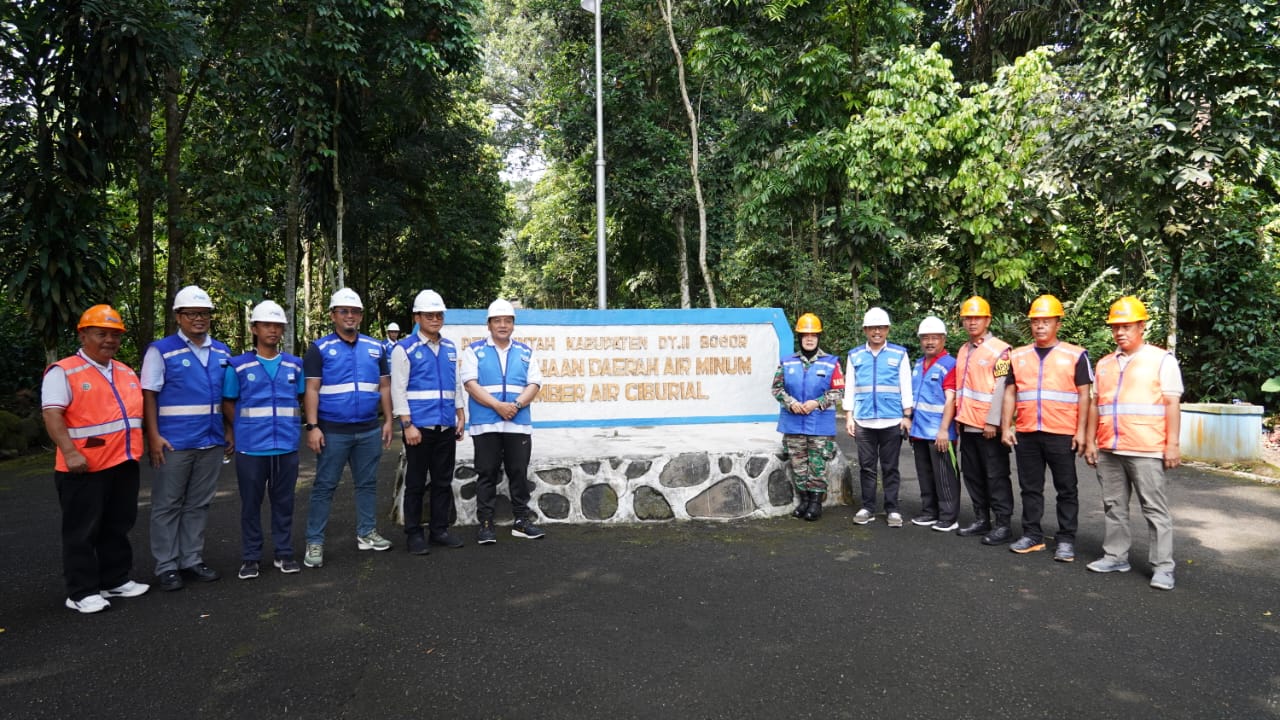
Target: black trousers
{"points": [[939, 483], [98, 511], [984, 462], [434, 456], [1035, 451], [878, 449], [494, 452]]}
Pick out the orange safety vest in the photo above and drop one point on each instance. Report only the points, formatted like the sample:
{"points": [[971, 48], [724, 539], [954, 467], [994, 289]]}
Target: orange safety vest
{"points": [[1048, 400], [976, 380], [103, 420], [1130, 402]]}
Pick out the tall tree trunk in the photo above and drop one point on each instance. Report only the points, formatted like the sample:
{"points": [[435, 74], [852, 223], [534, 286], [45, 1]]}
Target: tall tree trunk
{"points": [[146, 234], [665, 7], [340, 210], [174, 220], [682, 258], [292, 225], [1175, 275]]}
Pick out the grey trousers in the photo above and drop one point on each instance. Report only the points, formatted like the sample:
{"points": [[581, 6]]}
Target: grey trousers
{"points": [[1121, 475], [181, 491]]}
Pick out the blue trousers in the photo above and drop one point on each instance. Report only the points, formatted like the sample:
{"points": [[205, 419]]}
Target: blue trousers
{"points": [[274, 476], [361, 451]]}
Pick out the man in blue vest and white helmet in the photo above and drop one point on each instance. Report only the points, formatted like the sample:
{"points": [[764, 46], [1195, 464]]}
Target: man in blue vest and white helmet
{"points": [[348, 382], [186, 436], [260, 398], [427, 398], [879, 413], [933, 435], [501, 378]]}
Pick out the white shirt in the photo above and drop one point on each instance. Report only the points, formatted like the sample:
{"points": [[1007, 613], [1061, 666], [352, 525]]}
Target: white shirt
{"points": [[400, 378], [152, 375], [469, 369]]}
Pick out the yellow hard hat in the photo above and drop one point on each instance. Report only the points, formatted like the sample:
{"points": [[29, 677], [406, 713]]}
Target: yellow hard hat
{"points": [[103, 316], [808, 323], [1046, 306], [975, 306], [1126, 310]]}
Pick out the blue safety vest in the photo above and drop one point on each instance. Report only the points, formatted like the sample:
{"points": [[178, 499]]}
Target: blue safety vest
{"points": [[267, 420], [805, 384], [349, 379], [189, 406], [877, 394], [931, 399], [505, 386], [433, 379]]}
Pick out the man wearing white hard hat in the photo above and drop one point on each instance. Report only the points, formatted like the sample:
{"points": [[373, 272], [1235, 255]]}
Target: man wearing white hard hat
{"points": [[348, 383], [501, 378], [879, 412], [260, 394], [427, 399], [933, 385], [187, 437], [393, 337]]}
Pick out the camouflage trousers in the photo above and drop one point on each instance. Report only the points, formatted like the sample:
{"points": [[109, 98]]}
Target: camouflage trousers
{"points": [[809, 456]]}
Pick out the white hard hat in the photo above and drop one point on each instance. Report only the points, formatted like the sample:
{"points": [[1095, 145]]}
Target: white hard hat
{"points": [[192, 296], [501, 308], [932, 326], [875, 317], [428, 301], [346, 297], [268, 311], [393, 327]]}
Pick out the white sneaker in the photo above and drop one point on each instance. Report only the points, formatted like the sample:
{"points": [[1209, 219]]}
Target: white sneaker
{"points": [[894, 519], [863, 517], [128, 589], [88, 604]]}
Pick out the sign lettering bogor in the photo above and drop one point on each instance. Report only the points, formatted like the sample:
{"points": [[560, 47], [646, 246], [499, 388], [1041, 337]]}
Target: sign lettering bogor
{"points": [[646, 367]]}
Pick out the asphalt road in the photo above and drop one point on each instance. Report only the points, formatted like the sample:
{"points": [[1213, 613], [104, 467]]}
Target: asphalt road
{"points": [[767, 619]]}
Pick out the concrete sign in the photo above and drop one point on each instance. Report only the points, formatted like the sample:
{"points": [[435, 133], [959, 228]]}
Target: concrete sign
{"points": [[607, 368]]}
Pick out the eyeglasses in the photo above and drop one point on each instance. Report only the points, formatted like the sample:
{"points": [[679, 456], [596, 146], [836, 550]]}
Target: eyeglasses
{"points": [[196, 314], [349, 311]]}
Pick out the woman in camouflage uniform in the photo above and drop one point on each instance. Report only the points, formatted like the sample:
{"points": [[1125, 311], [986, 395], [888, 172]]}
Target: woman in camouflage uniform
{"points": [[808, 386]]}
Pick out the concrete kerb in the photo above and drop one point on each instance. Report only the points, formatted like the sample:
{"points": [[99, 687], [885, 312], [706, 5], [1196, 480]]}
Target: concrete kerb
{"points": [[641, 474]]}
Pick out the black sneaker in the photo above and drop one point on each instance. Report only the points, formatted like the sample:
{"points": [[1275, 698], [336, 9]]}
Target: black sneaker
{"points": [[169, 580], [288, 566], [446, 539], [248, 570], [524, 528], [417, 544], [486, 535], [924, 520], [201, 572]]}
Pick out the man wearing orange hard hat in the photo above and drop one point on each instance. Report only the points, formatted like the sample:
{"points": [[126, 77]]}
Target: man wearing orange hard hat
{"points": [[982, 369], [1132, 439], [92, 407], [1048, 390]]}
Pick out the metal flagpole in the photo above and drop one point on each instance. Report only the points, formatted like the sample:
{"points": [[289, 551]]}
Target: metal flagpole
{"points": [[600, 255]]}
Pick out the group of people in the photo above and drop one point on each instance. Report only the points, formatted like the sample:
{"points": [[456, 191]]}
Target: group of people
{"points": [[197, 405], [1042, 401]]}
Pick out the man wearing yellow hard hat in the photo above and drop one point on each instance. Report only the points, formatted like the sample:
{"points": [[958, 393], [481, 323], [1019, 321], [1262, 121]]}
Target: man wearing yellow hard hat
{"points": [[1048, 390], [808, 385], [92, 407], [982, 368], [1132, 439]]}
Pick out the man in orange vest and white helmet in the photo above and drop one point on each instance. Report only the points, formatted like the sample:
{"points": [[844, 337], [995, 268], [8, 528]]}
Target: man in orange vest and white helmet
{"points": [[1132, 438], [982, 368], [92, 408], [1048, 386]]}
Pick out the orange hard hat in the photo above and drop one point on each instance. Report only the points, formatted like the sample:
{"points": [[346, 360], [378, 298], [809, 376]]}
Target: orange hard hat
{"points": [[1126, 310], [975, 306], [808, 323], [1046, 306], [103, 316]]}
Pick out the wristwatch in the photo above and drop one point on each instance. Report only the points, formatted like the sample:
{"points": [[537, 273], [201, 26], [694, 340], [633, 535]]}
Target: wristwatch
{"points": [[309, 426], [517, 404]]}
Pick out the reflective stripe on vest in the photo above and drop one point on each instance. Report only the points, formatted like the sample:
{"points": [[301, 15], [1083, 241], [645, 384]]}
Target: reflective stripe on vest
{"points": [[877, 394], [1131, 409], [931, 399], [503, 383], [189, 405], [267, 413], [1047, 398], [109, 410], [976, 380], [350, 379], [433, 379]]}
